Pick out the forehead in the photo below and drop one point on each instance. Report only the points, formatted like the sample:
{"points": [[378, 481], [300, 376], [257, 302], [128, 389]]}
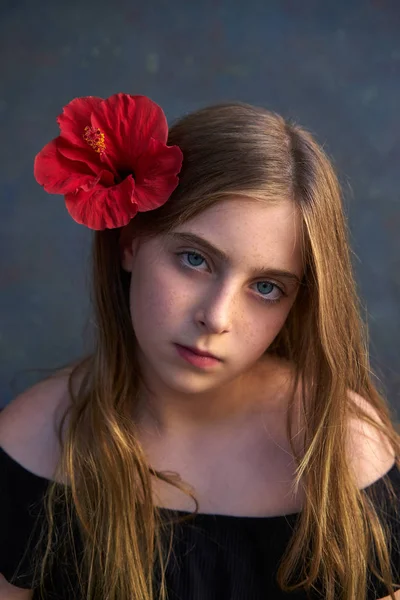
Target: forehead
{"points": [[252, 231]]}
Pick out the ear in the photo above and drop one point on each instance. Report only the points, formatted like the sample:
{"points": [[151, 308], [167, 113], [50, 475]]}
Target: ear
{"points": [[126, 254], [127, 248]]}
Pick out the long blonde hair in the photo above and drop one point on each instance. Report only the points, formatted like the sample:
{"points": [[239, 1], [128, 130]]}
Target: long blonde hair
{"points": [[228, 149]]}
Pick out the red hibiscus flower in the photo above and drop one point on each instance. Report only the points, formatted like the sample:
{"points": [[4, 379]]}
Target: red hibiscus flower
{"points": [[110, 160]]}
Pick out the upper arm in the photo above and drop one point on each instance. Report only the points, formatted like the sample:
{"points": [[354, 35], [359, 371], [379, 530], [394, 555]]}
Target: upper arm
{"points": [[396, 595], [11, 592], [28, 434], [370, 452]]}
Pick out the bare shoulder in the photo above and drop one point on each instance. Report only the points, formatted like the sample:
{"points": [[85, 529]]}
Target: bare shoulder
{"points": [[370, 452], [28, 424]]}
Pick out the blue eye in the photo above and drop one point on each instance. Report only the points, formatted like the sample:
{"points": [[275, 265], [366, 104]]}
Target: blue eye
{"points": [[261, 285], [192, 259], [266, 287], [195, 259]]}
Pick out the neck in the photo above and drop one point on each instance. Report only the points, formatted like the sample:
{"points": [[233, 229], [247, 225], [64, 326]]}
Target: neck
{"points": [[167, 410]]}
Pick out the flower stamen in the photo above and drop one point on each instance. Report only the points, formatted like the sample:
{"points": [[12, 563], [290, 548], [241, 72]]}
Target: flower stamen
{"points": [[95, 138]]}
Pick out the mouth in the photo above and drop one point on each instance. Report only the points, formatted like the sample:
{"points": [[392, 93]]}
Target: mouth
{"points": [[198, 358], [199, 352]]}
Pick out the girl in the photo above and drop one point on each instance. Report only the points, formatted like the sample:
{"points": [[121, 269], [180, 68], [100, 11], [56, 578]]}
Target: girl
{"points": [[230, 372]]}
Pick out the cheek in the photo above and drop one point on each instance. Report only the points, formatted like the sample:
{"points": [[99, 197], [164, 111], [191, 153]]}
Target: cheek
{"points": [[260, 331], [156, 299]]}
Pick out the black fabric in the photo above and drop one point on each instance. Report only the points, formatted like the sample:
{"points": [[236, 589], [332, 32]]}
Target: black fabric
{"points": [[216, 557]]}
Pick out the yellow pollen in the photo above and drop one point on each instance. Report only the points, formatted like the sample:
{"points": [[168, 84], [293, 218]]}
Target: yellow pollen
{"points": [[95, 138]]}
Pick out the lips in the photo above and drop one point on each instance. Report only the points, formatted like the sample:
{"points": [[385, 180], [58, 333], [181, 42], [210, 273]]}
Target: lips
{"points": [[199, 352]]}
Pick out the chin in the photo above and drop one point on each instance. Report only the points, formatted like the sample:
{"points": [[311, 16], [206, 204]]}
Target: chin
{"points": [[191, 383]]}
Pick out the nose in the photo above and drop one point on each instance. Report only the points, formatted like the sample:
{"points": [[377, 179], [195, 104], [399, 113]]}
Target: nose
{"points": [[217, 309]]}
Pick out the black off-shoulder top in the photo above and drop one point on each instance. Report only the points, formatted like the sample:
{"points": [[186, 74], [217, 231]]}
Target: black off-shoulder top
{"points": [[216, 557]]}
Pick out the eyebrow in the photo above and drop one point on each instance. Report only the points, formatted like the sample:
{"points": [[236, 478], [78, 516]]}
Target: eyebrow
{"points": [[191, 238]]}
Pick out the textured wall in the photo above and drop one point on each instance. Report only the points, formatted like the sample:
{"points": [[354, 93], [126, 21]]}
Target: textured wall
{"points": [[333, 65]]}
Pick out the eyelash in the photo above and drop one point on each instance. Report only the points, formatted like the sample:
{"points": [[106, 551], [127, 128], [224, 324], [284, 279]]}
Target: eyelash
{"points": [[192, 267]]}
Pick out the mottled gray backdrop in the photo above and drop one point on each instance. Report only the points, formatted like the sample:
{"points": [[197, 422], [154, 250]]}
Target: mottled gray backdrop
{"points": [[334, 66]]}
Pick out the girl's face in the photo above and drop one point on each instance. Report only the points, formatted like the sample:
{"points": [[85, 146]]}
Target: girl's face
{"points": [[223, 282]]}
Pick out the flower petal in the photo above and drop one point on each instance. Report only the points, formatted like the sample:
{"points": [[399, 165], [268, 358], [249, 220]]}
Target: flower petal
{"points": [[75, 117], [57, 174], [80, 154], [156, 178], [104, 208], [105, 178], [128, 123]]}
